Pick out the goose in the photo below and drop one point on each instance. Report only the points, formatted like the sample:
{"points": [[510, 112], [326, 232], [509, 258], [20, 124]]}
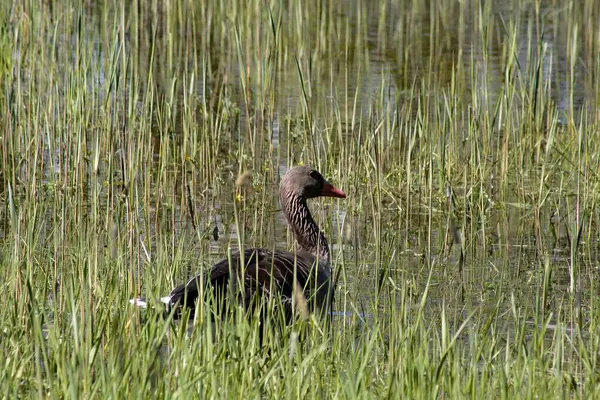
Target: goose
{"points": [[269, 273]]}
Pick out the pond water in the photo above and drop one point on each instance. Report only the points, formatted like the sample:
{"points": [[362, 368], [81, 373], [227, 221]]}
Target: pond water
{"points": [[389, 57]]}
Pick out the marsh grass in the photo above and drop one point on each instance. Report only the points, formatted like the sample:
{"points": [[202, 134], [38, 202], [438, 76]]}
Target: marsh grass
{"points": [[464, 133]]}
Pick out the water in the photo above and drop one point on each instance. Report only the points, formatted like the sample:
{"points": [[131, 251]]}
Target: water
{"points": [[412, 41]]}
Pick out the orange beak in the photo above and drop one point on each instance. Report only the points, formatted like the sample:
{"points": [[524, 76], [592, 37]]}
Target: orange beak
{"points": [[331, 191]]}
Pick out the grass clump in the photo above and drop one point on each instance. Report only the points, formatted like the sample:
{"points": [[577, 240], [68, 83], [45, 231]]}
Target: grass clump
{"points": [[464, 133]]}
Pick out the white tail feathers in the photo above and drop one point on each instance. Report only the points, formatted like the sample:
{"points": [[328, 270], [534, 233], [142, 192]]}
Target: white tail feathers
{"points": [[142, 303], [139, 302]]}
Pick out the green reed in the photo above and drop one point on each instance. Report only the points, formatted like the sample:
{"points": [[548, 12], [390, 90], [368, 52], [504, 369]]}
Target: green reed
{"points": [[464, 133]]}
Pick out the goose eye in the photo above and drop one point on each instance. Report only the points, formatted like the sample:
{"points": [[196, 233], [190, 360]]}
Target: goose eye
{"points": [[314, 174]]}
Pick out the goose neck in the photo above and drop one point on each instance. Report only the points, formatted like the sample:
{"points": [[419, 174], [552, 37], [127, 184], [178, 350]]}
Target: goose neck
{"points": [[307, 232]]}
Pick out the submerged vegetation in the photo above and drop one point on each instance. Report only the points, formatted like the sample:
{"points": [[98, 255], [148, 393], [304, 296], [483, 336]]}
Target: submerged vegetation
{"points": [[141, 142]]}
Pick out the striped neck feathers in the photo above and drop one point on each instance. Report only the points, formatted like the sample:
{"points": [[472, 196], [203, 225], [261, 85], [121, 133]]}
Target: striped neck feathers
{"points": [[307, 232]]}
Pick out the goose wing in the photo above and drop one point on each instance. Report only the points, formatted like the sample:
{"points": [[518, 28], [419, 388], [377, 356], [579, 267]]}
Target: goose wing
{"points": [[266, 273]]}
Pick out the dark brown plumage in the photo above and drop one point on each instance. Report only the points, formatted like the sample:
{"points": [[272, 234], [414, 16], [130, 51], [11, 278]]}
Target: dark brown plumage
{"points": [[273, 273]]}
